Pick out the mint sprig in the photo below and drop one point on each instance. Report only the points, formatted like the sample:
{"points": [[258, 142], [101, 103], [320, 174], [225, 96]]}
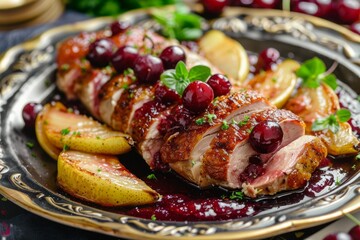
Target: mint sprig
{"points": [[179, 78], [332, 121], [313, 73]]}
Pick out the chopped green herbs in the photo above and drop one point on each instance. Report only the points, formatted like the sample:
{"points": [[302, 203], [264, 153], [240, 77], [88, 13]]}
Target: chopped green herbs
{"points": [[332, 121], [151, 176], [180, 24], [210, 117], [244, 121], [179, 78], [66, 147], [337, 181], [64, 67], [65, 131], [30, 145], [225, 125], [153, 217], [353, 167], [200, 121], [313, 73], [237, 195]]}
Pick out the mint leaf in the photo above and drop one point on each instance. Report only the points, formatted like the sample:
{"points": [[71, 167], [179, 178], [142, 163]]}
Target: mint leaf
{"points": [[331, 81], [168, 78], [181, 71], [343, 115], [181, 85], [320, 124], [200, 73], [334, 125]]}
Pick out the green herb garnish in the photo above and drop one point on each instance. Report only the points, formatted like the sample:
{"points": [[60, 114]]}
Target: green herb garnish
{"points": [[332, 121], [153, 217], [180, 24], [237, 195], [244, 121], [179, 78], [313, 73], [210, 117], [151, 176], [225, 125], [65, 67], [65, 131], [30, 145], [200, 121], [66, 147]]}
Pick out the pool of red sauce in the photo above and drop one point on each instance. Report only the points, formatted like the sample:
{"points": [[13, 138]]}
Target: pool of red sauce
{"points": [[182, 201]]}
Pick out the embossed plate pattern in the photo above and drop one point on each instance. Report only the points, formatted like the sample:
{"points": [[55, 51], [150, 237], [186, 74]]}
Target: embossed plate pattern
{"points": [[26, 70]]}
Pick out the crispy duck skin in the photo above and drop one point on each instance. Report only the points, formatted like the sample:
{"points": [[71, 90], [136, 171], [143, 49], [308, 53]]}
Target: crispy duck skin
{"points": [[131, 108], [290, 168]]}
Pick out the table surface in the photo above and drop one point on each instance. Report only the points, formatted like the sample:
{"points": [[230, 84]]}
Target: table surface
{"points": [[17, 223]]}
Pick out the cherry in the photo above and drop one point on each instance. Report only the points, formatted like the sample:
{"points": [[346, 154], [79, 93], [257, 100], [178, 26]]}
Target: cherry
{"points": [[124, 58], [148, 68], [355, 232], [197, 96], [348, 11], [265, 3], [100, 52], [243, 3], [324, 7], [355, 27], [180, 117], [267, 58], [214, 7], [171, 55], [266, 136], [118, 27], [165, 94], [309, 8], [29, 113], [338, 236], [219, 84]]}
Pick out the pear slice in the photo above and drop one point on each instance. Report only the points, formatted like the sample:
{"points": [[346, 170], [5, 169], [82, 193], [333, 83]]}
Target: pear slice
{"points": [[101, 179], [67, 130], [277, 85], [44, 142], [225, 53]]}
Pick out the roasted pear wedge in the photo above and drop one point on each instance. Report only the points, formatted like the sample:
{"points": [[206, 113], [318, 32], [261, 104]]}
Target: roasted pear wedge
{"points": [[101, 179], [44, 142], [314, 103], [68, 130], [277, 85], [227, 54]]}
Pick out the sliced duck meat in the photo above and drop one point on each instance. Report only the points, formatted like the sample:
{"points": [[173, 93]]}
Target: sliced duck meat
{"points": [[290, 168], [229, 152], [191, 143]]}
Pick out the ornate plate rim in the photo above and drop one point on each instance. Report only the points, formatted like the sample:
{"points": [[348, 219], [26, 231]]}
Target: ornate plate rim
{"points": [[124, 226]]}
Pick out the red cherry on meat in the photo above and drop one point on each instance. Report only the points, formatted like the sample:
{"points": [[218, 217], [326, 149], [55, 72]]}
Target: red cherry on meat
{"points": [[355, 27], [165, 94], [348, 11], [355, 232], [148, 68], [214, 7], [124, 58], [338, 236], [171, 55], [265, 3], [100, 52], [29, 113], [220, 84], [197, 96], [266, 136], [267, 58], [118, 27]]}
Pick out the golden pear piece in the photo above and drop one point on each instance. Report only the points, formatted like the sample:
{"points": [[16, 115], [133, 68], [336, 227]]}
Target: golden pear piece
{"points": [[101, 179], [227, 54], [68, 130]]}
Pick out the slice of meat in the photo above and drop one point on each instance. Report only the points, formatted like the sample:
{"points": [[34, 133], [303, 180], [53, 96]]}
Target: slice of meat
{"points": [[229, 152], [290, 168], [191, 143]]}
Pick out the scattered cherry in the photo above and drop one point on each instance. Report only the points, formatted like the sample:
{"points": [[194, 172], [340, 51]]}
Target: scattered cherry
{"points": [[243, 3], [348, 11], [100, 52], [197, 96], [148, 68], [214, 8], [324, 7], [219, 84], [309, 8], [265, 3], [180, 117], [171, 55], [355, 232], [165, 94], [29, 113], [267, 58], [266, 136], [118, 27], [355, 27], [124, 58], [338, 236]]}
